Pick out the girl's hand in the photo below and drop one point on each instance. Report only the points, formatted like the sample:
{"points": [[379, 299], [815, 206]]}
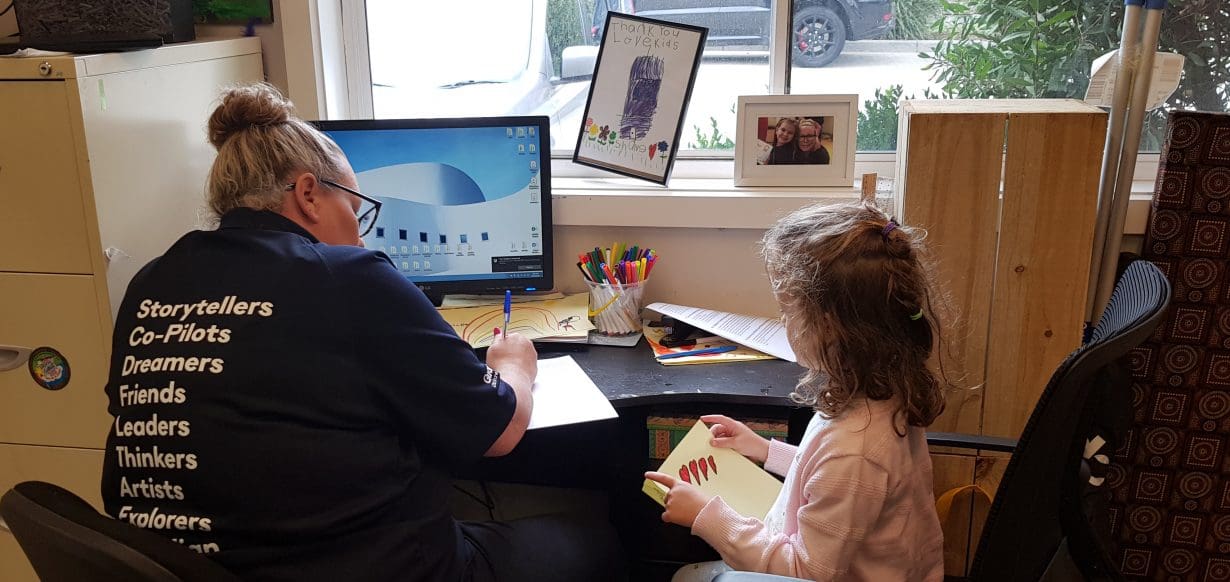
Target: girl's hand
{"points": [[684, 500], [729, 433]]}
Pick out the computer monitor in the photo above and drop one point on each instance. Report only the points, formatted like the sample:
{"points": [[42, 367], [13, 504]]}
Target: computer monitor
{"points": [[466, 202]]}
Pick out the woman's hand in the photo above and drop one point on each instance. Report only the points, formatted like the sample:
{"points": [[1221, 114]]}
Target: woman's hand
{"points": [[684, 500], [729, 433], [514, 357]]}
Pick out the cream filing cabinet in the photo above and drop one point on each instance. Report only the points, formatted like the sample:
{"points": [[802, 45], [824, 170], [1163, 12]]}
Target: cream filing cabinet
{"points": [[103, 160]]}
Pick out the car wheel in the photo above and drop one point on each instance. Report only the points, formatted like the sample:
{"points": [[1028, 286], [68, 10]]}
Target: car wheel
{"points": [[819, 36]]}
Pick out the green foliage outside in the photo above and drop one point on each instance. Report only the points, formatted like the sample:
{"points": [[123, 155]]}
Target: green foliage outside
{"points": [[1044, 49], [915, 19], [567, 20], [231, 10], [714, 139], [877, 119]]}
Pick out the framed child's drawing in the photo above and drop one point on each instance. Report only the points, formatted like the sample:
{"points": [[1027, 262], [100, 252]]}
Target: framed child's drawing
{"points": [[639, 95], [795, 140]]}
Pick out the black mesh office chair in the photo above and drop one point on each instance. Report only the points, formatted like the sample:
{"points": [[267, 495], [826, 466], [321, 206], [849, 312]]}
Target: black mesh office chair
{"points": [[1037, 528], [66, 540]]}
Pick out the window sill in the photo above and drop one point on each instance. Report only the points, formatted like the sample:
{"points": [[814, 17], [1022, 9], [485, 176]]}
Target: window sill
{"points": [[687, 203]]}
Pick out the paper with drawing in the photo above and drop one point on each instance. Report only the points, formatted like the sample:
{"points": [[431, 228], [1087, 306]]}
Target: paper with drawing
{"points": [[566, 318], [743, 485]]}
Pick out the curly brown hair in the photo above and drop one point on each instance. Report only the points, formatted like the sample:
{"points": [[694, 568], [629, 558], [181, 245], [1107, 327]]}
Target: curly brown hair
{"points": [[855, 290]]}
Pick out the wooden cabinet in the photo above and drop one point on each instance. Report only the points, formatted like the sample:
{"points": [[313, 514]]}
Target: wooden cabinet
{"points": [[77, 470], [103, 160], [1007, 192]]}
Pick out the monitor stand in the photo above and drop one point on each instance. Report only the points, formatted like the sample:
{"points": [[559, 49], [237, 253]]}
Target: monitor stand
{"points": [[435, 298]]}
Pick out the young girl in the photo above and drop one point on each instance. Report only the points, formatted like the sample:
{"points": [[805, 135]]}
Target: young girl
{"points": [[784, 142], [857, 501]]}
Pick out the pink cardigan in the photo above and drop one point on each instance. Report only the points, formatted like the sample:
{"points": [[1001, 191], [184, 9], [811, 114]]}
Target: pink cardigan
{"points": [[857, 504]]}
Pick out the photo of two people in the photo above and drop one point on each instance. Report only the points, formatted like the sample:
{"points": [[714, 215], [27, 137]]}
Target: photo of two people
{"points": [[802, 139]]}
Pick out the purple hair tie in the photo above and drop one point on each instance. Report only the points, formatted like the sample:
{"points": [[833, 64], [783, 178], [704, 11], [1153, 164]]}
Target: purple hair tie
{"points": [[892, 223]]}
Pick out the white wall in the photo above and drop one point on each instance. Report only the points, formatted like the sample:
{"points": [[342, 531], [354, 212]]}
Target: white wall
{"points": [[273, 50], [716, 268]]}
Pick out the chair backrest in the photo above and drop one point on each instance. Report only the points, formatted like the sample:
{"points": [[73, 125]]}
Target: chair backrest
{"points": [[1037, 512], [66, 540]]}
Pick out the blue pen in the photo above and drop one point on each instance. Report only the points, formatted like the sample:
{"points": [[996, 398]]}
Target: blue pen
{"points": [[700, 352], [507, 309]]}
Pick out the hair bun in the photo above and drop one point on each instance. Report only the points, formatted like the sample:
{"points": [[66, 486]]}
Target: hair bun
{"points": [[257, 105]]}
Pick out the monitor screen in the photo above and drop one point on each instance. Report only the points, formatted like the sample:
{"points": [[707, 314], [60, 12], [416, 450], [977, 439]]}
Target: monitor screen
{"points": [[466, 203]]}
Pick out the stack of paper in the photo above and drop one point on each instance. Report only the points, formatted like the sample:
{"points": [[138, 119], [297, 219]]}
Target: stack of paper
{"points": [[759, 333], [704, 348], [565, 319], [743, 485]]}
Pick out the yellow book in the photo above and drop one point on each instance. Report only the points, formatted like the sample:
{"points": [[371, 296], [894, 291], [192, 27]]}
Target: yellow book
{"points": [[743, 485]]}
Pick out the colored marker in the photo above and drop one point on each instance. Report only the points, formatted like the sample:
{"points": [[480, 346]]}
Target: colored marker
{"points": [[700, 352], [507, 309]]}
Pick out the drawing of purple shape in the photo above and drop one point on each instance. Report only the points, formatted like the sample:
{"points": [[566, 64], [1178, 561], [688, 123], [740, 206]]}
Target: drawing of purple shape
{"points": [[641, 102]]}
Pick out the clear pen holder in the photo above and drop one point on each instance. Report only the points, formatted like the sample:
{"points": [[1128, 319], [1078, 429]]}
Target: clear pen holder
{"points": [[616, 309]]}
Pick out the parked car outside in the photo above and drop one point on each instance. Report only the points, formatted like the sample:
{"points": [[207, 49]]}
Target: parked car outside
{"points": [[820, 27]]}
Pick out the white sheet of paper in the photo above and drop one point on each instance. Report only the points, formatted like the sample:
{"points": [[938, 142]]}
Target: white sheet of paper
{"points": [[759, 333], [1167, 72], [564, 394]]}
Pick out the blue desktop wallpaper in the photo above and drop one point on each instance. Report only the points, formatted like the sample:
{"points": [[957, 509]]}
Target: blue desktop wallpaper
{"points": [[475, 151], [455, 200]]}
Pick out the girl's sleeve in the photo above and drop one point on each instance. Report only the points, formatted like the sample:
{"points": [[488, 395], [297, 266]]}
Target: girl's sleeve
{"points": [[842, 500], [781, 456]]}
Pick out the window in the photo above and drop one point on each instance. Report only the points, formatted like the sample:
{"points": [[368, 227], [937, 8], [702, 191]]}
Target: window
{"points": [[519, 57]]}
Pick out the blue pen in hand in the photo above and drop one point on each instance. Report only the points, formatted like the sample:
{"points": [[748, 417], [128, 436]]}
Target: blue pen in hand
{"points": [[507, 309], [700, 352]]}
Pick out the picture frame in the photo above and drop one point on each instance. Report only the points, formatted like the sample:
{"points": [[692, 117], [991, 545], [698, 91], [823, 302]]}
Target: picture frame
{"points": [[639, 95], [763, 121]]}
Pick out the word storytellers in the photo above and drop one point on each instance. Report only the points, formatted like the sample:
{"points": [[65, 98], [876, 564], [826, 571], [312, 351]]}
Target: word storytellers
{"points": [[167, 346]]}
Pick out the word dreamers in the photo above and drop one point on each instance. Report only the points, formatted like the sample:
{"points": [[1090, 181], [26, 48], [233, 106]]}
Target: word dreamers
{"points": [[230, 305], [171, 364]]}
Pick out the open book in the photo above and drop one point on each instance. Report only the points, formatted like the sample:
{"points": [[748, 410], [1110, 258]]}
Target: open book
{"points": [[759, 333], [743, 485]]}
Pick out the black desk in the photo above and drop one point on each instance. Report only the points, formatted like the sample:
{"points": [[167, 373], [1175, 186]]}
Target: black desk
{"points": [[613, 455], [630, 377], [637, 386]]}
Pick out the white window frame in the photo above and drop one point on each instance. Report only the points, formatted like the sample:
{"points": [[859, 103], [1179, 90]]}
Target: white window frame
{"points": [[343, 86]]}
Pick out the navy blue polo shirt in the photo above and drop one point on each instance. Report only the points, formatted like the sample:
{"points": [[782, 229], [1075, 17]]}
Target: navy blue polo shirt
{"points": [[292, 408]]}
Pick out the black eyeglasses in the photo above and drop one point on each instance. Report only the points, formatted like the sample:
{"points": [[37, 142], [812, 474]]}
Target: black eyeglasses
{"points": [[369, 208]]}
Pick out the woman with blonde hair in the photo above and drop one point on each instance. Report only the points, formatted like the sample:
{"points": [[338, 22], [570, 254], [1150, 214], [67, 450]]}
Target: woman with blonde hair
{"points": [[288, 404]]}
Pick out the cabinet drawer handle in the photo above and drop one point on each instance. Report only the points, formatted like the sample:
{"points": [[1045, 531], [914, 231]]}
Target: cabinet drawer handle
{"points": [[13, 357]]}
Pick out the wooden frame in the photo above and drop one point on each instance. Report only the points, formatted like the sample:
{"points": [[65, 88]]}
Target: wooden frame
{"points": [[639, 96], [761, 161]]}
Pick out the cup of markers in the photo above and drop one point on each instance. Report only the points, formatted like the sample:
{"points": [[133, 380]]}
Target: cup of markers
{"points": [[616, 277]]}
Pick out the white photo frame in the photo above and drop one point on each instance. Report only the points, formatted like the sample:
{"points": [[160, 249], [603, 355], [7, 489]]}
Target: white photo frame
{"points": [[760, 162]]}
